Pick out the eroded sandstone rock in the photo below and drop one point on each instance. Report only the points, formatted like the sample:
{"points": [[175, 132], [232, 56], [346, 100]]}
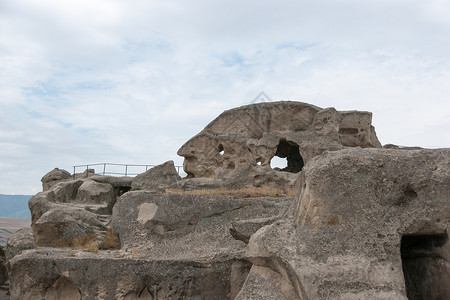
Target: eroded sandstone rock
{"points": [[107, 276], [364, 224], [367, 221], [157, 178], [74, 208], [54, 176], [19, 241], [239, 145], [64, 225], [188, 225]]}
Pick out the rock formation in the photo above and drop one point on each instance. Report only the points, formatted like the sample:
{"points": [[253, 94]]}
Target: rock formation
{"points": [[345, 219], [368, 224], [236, 148], [54, 176]]}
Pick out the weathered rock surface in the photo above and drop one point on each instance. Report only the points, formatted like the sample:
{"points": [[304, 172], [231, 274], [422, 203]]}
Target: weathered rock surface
{"points": [[364, 224], [96, 193], [121, 185], [107, 275], [54, 176], [366, 219], [157, 178], [64, 225], [238, 146], [19, 241], [188, 226], [173, 247]]}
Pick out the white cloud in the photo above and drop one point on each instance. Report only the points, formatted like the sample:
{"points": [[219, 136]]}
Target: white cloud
{"points": [[130, 82]]}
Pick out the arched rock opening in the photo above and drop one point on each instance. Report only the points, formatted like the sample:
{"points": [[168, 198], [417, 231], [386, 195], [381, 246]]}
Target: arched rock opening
{"points": [[425, 266], [290, 151]]}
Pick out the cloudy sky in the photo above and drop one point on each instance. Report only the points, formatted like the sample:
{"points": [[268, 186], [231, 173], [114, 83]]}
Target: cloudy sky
{"points": [[86, 81]]}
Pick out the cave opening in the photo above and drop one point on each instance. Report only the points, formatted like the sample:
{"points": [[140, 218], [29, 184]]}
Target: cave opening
{"points": [[289, 151], [426, 268]]}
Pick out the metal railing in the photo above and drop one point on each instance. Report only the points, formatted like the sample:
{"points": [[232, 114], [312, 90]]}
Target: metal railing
{"points": [[117, 169]]}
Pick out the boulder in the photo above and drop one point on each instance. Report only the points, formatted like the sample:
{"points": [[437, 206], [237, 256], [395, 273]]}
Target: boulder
{"points": [[180, 226], [54, 176], [40, 204], [157, 178], [369, 224], [87, 173], [93, 192], [121, 185], [61, 226], [20, 241], [64, 192]]}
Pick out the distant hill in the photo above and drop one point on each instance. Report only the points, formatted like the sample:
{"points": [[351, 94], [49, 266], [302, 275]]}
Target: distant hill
{"points": [[14, 206]]}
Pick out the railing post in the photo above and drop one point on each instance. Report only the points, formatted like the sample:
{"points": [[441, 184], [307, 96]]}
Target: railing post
{"points": [[73, 172], [126, 170], [87, 171], [104, 167]]}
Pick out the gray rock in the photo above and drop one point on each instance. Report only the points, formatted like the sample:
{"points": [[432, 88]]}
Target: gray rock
{"points": [[157, 178], [40, 204], [54, 176], [264, 283], [243, 229], [37, 274], [121, 185], [187, 225], [364, 218], [20, 241], [86, 174], [93, 192], [64, 225], [238, 146], [64, 192]]}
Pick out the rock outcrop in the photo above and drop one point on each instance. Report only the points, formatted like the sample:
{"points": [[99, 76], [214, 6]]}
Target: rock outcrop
{"points": [[344, 219], [369, 224], [236, 149], [157, 178], [53, 177], [20, 241]]}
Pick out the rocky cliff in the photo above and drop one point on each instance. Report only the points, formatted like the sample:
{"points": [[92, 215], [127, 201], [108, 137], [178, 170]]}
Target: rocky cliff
{"points": [[344, 219]]}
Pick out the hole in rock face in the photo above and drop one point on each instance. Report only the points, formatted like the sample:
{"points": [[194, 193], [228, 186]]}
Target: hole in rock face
{"points": [[425, 267], [221, 150], [293, 161]]}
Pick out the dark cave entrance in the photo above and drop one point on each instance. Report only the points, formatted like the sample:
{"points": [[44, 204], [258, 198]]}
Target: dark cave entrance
{"points": [[425, 266], [290, 151]]}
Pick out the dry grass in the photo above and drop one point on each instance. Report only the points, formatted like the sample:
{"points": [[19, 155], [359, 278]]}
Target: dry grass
{"points": [[110, 242], [87, 243], [245, 192]]}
